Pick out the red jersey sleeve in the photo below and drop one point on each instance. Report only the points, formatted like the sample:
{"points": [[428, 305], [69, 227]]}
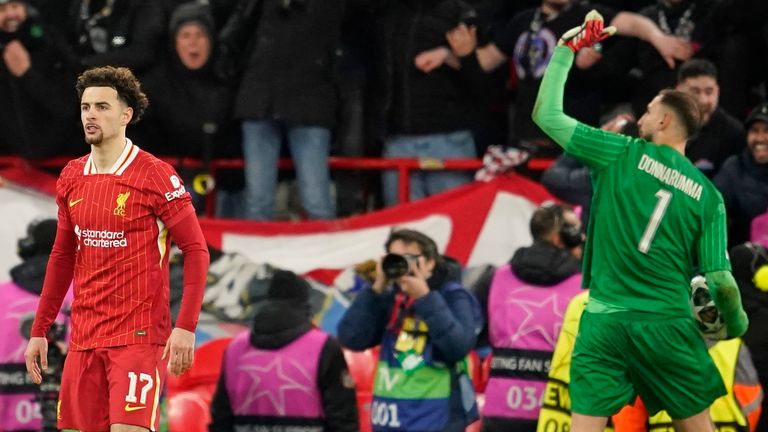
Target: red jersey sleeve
{"points": [[171, 201], [61, 266], [188, 235]]}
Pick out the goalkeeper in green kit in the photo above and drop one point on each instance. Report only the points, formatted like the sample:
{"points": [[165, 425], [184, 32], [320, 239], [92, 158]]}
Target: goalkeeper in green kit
{"points": [[655, 219]]}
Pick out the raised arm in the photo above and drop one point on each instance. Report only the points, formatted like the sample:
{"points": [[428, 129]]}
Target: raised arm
{"points": [[548, 111], [596, 148], [671, 48]]}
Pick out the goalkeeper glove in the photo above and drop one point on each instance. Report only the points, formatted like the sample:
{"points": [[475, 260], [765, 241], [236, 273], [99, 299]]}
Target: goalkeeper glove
{"points": [[725, 293], [587, 34]]}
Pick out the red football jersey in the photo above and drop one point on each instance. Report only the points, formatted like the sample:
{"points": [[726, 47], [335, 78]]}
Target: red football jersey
{"points": [[120, 217]]}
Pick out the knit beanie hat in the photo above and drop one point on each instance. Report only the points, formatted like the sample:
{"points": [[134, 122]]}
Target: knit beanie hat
{"points": [[286, 285], [192, 12]]}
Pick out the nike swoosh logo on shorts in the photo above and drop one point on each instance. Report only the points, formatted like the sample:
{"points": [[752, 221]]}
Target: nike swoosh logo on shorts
{"points": [[129, 407]]}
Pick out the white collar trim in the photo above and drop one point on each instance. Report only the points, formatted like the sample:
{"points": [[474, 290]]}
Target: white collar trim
{"points": [[129, 153]]}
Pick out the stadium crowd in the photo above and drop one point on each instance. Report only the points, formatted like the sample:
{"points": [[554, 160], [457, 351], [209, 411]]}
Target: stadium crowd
{"points": [[442, 79], [415, 79]]}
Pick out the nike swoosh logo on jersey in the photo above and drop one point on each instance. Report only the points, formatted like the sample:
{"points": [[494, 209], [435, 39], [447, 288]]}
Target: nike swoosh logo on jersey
{"points": [[72, 203], [129, 407]]}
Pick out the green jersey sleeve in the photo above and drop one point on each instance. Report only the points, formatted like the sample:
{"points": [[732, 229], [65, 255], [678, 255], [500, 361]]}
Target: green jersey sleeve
{"points": [[713, 254], [548, 110], [595, 147]]}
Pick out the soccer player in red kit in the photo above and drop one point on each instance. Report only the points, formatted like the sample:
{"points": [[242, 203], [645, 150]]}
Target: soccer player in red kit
{"points": [[117, 206]]}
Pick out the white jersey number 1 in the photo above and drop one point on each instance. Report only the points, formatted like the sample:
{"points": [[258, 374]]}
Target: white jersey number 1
{"points": [[664, 196]]}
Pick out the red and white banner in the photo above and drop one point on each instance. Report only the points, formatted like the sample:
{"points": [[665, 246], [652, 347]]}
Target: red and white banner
{"points": [[480, 223]]}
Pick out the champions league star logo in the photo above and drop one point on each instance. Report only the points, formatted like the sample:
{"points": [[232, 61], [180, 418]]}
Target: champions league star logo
{"points": [[537, 320], [254, 365]]}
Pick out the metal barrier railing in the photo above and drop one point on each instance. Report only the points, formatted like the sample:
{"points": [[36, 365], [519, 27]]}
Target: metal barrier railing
{"points": [[403, 166]]}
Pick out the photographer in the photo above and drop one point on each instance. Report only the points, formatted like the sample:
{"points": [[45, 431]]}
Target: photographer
{"points": [[426, 323], [525, 302], [22, 406]]}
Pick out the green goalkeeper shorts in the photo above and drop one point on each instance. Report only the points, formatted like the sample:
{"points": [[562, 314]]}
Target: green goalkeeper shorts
{"points": [[621, 355]]}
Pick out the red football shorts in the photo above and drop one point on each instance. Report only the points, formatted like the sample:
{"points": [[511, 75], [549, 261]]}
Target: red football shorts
{"points": [[105, 386]]}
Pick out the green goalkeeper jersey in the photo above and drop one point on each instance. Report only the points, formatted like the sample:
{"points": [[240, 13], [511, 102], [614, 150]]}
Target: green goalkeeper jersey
{"points": [[654, 217]]}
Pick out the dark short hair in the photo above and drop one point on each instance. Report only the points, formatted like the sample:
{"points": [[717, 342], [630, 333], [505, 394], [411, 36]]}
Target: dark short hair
{"points": [[695, 68], [548, 218], [122, 80], [427, 245], [685, 107]]}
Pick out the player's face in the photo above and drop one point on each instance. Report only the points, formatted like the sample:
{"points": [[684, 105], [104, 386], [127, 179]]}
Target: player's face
{"points": [[12, 15], [103, 114], [705, 90], [757, 140], [193, 46], [650, 122]]}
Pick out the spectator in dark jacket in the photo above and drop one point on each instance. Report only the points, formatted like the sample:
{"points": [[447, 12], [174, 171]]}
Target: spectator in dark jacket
{"points": [[528, 40], [689, 20], [720, 135], [287, 93], [190, 108], [426, 323], [38, 112], [128, 33], [422, 97], [568, 179], [284, 374], [743, 179]]}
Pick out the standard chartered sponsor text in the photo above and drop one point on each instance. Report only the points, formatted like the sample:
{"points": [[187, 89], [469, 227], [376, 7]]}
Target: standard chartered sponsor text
{"points": [[102, 238]]}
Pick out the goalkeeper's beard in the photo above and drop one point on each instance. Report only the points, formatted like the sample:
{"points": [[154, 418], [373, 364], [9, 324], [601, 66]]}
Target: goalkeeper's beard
{"points": [[645, 134]]}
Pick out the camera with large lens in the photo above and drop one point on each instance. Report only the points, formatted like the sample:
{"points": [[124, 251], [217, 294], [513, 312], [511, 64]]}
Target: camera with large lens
{"points": [[396, 266]]}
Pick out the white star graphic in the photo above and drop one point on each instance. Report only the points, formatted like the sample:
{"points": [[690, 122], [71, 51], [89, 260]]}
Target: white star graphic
{"points": [[253, 366], [534, 322]]}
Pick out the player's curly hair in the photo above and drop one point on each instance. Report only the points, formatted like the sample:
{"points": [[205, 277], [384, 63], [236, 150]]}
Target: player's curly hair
{"points": [[122, 80]]}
